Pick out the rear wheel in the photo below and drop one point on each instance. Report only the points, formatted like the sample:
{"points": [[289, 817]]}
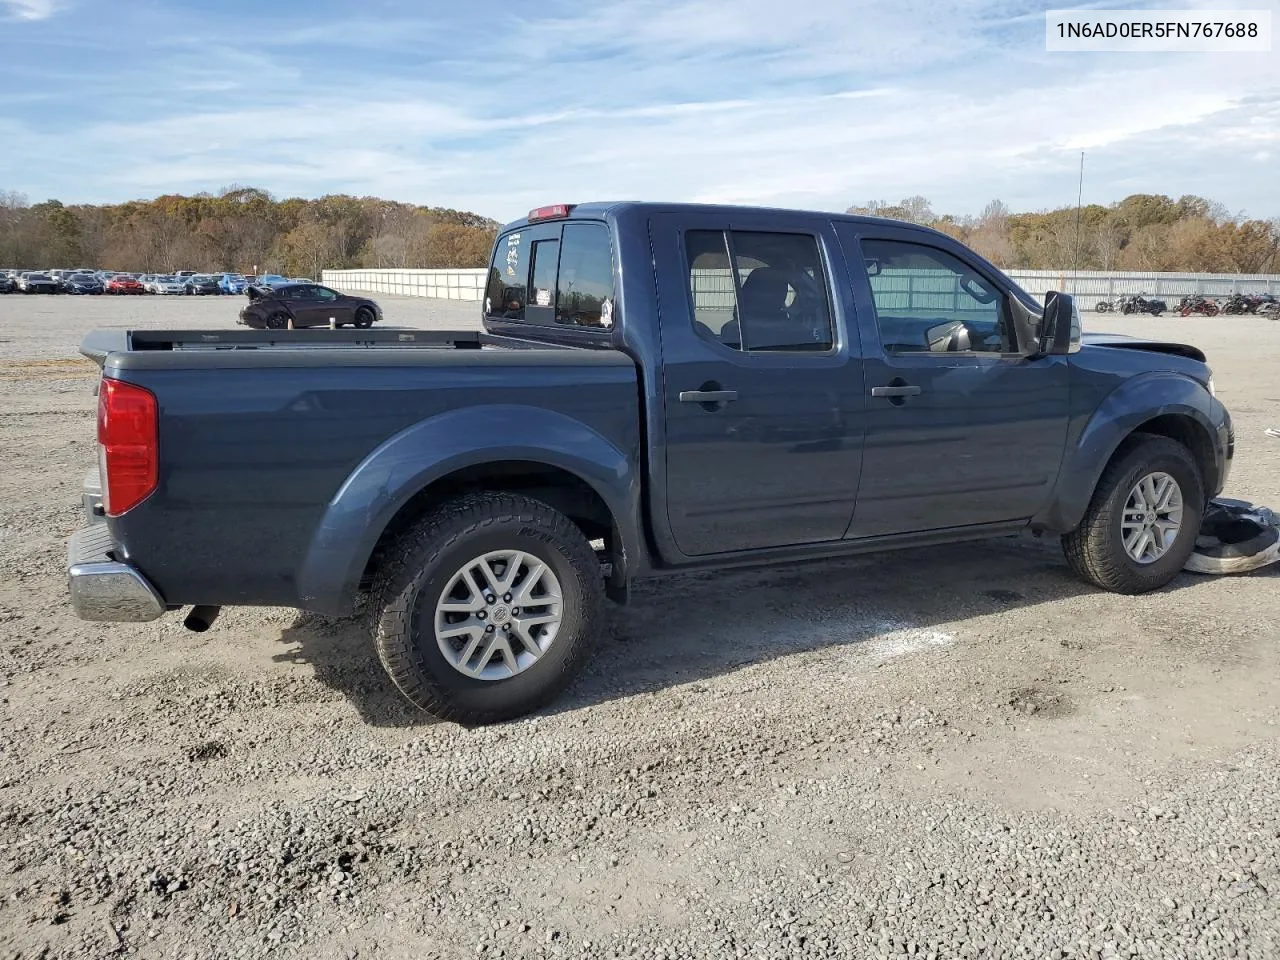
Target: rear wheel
{"points": [[364, 318], [1142, 523], [486, 609], [277, 320]]}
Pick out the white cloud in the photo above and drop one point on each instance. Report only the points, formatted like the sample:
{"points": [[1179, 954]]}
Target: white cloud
{"points": [[32, 9], [832, 104]]}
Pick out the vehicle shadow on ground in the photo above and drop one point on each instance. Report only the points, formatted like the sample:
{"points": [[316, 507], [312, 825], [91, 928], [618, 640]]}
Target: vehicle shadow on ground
{"points": [[342, 654], [696, 626]]}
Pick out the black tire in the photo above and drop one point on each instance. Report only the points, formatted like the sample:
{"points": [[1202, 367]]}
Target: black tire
{"points": [[1102, 306], [364, 318], [418, 568], [277, 321], [1095, 549]]}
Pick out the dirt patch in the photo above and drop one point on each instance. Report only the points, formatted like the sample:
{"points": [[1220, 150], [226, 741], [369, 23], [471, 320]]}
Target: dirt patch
{"points": [[209, 750], [1046, 704]]}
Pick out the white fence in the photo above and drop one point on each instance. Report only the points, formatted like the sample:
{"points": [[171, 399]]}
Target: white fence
{"points": [[1091, 286], [444, 284], [1088, 286]]}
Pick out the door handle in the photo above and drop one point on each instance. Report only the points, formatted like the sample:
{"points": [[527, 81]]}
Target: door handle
{"points": [[904, 390], [708, 396]]}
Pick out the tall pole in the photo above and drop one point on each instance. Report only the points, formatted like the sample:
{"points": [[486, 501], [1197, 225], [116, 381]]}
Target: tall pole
{"points": [[1075, 261]]}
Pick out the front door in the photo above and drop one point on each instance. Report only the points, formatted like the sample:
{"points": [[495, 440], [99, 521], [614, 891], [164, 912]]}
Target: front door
{"points": [[961, 429], [330, 303], [312, 306], [763, 391]]}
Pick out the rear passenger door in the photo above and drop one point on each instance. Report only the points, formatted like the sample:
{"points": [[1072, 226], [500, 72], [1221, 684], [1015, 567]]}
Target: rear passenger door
{"points": [[763, 389]]}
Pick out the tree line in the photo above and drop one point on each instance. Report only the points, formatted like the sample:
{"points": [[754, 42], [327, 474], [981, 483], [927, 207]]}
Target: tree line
{"points": [[245, 229], [241, 230], [1143, 232]]}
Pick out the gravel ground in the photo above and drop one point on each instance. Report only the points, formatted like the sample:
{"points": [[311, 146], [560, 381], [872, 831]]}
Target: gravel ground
{"points": [[956, 752]]}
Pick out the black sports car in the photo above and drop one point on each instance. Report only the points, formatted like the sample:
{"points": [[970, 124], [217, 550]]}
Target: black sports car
{"points": [[306, 305]]}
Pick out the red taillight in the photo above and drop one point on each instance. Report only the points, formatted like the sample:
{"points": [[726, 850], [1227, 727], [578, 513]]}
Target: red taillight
{"points": [[128, 434], [555, 211]]}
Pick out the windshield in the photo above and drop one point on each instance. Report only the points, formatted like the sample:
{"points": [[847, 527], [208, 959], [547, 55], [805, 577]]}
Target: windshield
{"points": [[37, 276]]}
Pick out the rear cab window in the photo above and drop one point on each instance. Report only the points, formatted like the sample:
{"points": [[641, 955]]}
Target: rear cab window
{"points": [[553, 274], [758, 291]]}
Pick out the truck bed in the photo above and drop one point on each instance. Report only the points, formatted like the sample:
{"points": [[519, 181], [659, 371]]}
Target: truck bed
{"points": [[259, 432]]}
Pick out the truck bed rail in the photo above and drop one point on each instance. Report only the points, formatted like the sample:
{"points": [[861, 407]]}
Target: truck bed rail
{"points": [[97, 344]]}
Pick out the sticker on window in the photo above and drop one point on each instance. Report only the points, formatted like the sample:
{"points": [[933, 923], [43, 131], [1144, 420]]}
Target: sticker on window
{"points": [[542, 298], [606, 314], [513, 254]]}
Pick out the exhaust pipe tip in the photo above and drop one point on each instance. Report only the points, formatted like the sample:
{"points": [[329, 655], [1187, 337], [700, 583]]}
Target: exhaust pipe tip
{"points": [[201, 618]]}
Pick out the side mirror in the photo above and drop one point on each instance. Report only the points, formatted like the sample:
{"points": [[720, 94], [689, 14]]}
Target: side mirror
{"points": [[1060, 328], [947, 337], [1056, 331]]}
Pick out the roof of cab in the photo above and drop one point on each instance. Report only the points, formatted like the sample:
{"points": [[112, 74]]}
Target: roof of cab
{"points": [[601, 210]]}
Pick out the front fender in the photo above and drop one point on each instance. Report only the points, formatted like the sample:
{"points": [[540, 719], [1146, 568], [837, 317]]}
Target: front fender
{"points": [[408, 462], [1136, 401]]}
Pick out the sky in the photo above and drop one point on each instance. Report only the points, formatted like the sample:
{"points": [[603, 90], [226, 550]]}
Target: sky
{"points": [[498, 107]]}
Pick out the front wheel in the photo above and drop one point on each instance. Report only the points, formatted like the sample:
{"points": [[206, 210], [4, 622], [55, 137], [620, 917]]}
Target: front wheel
{"points": [[364, 318], [485, 610], [1142, 523], [1102, 306]]}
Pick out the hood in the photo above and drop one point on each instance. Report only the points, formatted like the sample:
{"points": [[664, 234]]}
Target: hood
{"points": [[1122, 342]]}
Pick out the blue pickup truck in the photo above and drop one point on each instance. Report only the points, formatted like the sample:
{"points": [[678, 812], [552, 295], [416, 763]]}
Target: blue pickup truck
{"points": [[657, 388]]}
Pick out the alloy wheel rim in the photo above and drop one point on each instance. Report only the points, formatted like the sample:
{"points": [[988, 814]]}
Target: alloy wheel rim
{"points": [[498, 615], [1152, 518]]}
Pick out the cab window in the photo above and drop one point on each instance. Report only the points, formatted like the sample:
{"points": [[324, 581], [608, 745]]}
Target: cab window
{"points": [[551, 274], [930, 301], [759, 291]]}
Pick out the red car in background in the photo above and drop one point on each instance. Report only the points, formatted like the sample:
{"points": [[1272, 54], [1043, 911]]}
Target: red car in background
{"points": [[124, 285]]}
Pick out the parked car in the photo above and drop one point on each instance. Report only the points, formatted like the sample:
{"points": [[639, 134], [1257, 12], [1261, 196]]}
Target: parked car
{"points": [[269, 280], [7, 283], [662, 388], [169, 286], [122, 283], [184, 274], [202, 284], [232, 283], [82, 283], [36, 282], [306, 305]]}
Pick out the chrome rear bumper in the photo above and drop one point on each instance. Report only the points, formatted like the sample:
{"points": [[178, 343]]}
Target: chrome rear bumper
{"points": [[103, 588]]}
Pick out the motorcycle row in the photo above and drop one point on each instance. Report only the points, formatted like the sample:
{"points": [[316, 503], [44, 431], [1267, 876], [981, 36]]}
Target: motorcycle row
{"points": [[1262, 304]]}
